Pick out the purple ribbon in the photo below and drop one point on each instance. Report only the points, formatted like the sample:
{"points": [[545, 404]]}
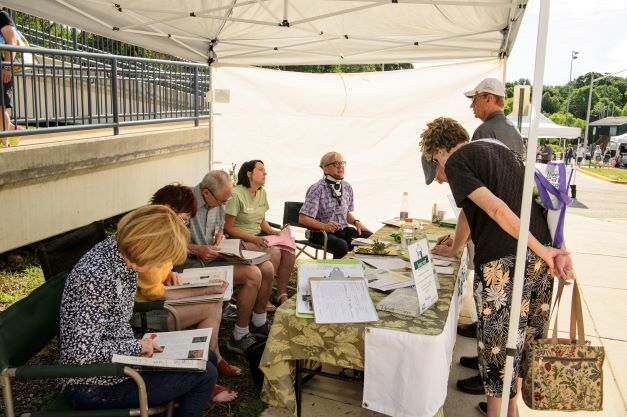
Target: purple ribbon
{"points": [[546, 189]]}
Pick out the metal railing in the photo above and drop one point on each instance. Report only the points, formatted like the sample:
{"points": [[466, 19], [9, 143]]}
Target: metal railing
{"points": [[58, 91]]}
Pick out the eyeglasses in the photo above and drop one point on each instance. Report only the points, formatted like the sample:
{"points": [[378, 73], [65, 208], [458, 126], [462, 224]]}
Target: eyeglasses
{"points": [[337, 164], [220, 202]]}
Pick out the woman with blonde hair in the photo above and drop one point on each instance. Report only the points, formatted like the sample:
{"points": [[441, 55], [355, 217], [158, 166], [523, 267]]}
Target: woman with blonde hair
{"points": [[97, 304]]}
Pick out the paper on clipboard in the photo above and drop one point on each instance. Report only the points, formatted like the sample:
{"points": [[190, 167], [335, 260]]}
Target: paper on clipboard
{"points": [[343, 300], [349, 267]]}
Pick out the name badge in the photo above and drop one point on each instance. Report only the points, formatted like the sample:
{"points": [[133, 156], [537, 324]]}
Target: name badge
{"points": [[339, 210]]}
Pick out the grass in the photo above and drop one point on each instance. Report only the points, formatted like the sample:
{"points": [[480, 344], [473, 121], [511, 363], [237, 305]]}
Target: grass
{"points": [[616, 174], [19, 275]]}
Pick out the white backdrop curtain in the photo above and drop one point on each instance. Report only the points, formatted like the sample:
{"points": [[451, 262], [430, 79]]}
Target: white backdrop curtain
{"points": [[289, 120]]}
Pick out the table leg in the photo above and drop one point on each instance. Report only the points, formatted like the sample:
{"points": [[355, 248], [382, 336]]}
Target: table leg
{"points": [[298, 386]]}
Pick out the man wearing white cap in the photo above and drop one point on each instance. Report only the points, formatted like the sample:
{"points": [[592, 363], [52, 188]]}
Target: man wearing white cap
{"points": [[488, 100]]}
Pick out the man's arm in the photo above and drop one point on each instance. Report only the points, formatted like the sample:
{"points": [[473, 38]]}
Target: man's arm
{"points": [[351, 219], [312, 223], [203, 252]]}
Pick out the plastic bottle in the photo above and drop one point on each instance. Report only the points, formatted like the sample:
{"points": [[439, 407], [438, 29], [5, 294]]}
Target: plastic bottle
{"points": [[407, 233], [404, 206]]}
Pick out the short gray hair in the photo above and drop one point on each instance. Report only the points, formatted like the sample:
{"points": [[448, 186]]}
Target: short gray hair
{"points": [[215, 181], [327, 157]]}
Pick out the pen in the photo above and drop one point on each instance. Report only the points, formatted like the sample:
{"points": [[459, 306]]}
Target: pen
{"points": [[446, 238]]}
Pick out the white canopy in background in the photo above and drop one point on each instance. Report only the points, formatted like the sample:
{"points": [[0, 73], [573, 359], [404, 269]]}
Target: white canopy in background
{"points": [[617, 141], [546, 128], [289, 120], [298, 32]]}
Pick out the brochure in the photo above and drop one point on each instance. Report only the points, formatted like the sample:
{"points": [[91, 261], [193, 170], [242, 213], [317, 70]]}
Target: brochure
{"points": [[185, 349], [191, 274]]}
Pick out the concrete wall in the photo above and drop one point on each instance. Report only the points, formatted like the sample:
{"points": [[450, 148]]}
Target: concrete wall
{"points": [[48, 189]]}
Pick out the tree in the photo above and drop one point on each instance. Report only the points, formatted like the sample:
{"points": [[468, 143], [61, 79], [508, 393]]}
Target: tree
{"points": [[550, 103]]}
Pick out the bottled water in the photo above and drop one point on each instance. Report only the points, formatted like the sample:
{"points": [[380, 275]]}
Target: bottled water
{"points": [[407, 233], [404, 206]]}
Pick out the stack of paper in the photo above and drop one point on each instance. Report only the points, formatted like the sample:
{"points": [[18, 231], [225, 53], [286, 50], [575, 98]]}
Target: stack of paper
{"points": [[342, 301], [389, 280]]}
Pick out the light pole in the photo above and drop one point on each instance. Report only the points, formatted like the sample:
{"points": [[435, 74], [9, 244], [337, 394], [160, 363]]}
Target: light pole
{"points": [[573, 56]]}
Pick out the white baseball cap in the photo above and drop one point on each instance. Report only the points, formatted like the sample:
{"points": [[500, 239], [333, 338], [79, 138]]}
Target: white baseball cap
{"points": [[488, 85]]}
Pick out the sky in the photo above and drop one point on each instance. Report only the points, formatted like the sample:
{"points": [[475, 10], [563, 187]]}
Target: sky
{"points": [[594, 28]]}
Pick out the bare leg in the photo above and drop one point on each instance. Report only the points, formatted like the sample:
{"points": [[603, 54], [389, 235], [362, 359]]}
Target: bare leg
{"points": [[267, 276], [285, 270], [494, 403], [6, 125], [249, 277]]}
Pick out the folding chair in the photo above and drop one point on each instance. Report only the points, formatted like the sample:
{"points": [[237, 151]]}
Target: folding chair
{"points": [[291, 211], [28, 326], [60, 253]]}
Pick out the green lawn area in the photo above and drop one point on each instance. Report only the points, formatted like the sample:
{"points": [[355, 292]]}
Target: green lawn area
{"points": [[616, 174]]}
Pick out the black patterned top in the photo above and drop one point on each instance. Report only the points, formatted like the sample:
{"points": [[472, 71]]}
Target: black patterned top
{"points": [[96, 307]]}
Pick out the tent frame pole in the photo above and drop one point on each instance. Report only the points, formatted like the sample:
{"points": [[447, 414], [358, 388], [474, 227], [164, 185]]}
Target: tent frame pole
{"points": [[525, 210]]}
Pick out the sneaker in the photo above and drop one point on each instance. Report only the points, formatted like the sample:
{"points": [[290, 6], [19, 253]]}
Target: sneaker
{"points": [[240, 346], [483, 408], [261, 331], [229, 312]]}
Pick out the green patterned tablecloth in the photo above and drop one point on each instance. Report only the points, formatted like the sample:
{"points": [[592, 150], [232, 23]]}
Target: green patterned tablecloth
{"points": [[292, 338]]}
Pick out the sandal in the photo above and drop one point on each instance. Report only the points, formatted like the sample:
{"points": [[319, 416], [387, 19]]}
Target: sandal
{"points": [[222, 394], [281, 298], [270, 308], [226, 369]]}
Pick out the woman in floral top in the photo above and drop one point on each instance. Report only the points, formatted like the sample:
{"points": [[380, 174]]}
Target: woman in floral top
{"points": [[97, 305], [486, 180]]}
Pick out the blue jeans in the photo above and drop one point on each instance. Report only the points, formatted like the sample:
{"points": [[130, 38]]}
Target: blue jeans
{"points": [[192, 389]]}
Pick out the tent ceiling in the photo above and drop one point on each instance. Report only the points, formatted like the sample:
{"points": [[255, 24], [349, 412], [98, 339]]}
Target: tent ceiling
{"points": [[298, 32]]}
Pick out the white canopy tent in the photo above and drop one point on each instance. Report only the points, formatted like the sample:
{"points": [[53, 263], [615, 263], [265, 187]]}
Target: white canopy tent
{"points": [[302, 32], [617, 141], [298, 32], [546, 128]]}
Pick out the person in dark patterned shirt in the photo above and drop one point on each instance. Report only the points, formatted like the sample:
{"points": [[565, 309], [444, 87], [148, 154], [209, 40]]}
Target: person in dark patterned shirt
{"points": [[486, 180], [96, 307], [329, 206]]}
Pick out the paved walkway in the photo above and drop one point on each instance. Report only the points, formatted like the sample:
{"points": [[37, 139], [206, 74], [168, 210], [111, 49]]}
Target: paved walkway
{"points": [[596, 232]]}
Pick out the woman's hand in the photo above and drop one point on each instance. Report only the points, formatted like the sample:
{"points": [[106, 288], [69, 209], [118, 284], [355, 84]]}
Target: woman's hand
{"points": [[444, 249], [260, 241], [149, 347], [564, 268], [549, 254], [445, 240], [173, 279], [218, 289]]}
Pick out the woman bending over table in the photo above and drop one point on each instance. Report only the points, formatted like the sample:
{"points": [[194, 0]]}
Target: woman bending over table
{"points": [[96, 307], [152, 285], [486, 180], [245, 220]]}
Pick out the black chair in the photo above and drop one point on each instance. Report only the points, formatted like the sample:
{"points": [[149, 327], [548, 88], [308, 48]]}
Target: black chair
{"points": [[60, 253], [291, 211]]}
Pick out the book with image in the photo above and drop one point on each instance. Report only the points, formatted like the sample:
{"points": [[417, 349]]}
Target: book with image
{"points": [[204, 277], [185, 349], [212, 277], [231, 251]]}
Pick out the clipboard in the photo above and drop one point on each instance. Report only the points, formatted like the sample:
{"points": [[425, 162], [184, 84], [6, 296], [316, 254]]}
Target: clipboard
{"points": [[340, 299]]}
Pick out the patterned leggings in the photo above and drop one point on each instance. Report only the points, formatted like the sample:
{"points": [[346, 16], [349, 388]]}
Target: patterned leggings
{"points": [[493, 288]]}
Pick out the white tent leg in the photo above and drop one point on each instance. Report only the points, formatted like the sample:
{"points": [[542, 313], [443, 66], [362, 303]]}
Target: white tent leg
{"points": [[210, 150], [525, 211]]}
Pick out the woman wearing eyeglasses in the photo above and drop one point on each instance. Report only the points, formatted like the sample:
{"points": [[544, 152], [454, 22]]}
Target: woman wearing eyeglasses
{"points": [[151, 285], [486, 180], [329, 206], [246, 220]]}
